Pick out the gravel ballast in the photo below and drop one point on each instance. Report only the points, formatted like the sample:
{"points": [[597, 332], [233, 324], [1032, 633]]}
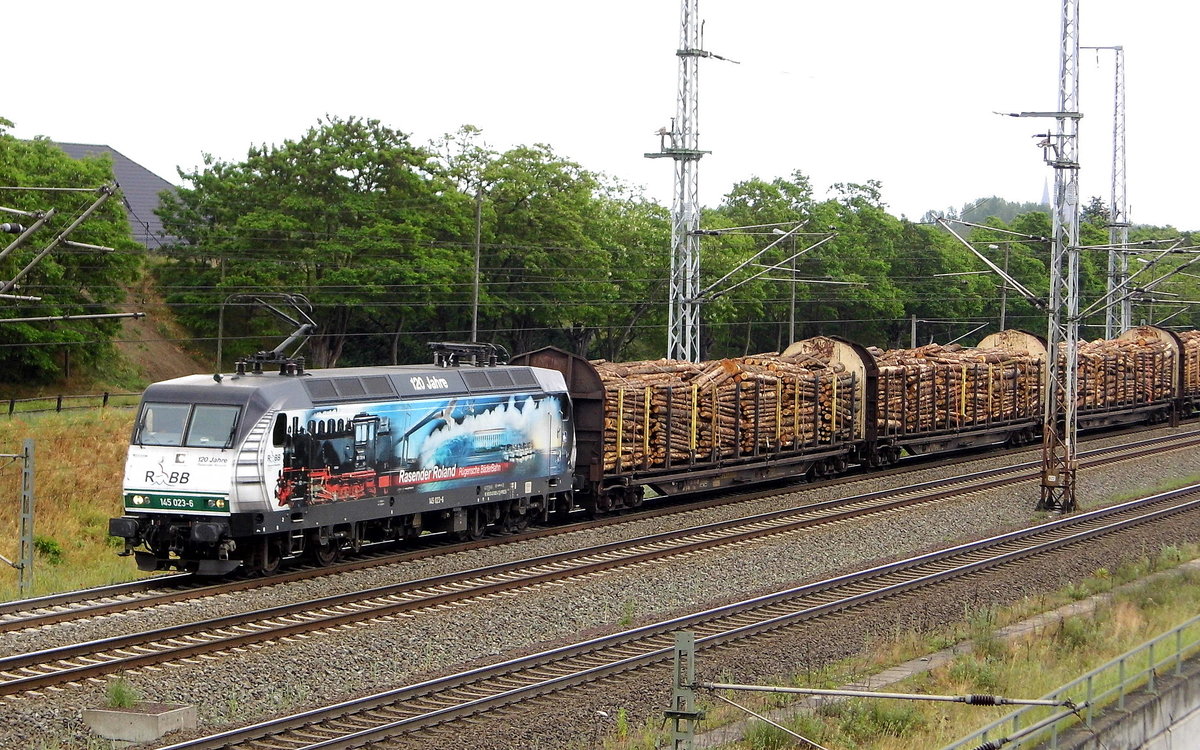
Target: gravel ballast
{"points": [[291, 675]]}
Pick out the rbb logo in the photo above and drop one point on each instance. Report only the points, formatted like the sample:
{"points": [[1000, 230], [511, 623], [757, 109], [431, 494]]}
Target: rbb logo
{"points": [[175, 477]]}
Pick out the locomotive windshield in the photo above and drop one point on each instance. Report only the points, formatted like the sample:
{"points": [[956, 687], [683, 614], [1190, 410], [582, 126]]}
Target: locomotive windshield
{"points": [[192, 426]]}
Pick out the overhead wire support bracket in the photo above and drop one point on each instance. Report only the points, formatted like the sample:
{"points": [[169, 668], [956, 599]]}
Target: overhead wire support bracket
{"points": [[55, 318], [1020, 288], [40, 219], [105, 192], [1125, 290], [708, 294]]}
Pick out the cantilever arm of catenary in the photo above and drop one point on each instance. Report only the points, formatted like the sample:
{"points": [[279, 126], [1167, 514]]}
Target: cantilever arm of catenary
{"points": [[1029, 296]]}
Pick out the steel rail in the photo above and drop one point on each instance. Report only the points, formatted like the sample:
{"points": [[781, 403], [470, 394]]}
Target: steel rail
{"points": [[123, 597], [36, 670], [469, 693]]}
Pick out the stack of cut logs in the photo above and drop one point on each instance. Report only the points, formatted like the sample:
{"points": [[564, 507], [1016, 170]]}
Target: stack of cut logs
{"points": [[1115, 372], [719, 409], [940, 387], [1191, 361]]}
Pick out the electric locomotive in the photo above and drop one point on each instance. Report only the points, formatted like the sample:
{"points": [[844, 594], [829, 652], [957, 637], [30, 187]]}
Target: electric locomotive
{"points": [[248, 469]]}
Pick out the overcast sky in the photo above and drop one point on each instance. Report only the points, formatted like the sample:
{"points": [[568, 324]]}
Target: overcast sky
{"points": [[900, 92]]}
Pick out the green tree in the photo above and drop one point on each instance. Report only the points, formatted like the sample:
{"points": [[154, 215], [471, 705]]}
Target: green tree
{"points": [[548, 277], [754, 315], [860, 257], [67, 280], [352, 215], [636, 235], [573, 255], [941, 283]]}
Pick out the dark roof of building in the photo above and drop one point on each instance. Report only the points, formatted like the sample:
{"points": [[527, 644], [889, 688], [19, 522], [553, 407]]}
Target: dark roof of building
{"points": [[139, 187]]}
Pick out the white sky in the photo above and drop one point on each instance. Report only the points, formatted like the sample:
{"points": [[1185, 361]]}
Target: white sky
{"points": [[900, 92]]}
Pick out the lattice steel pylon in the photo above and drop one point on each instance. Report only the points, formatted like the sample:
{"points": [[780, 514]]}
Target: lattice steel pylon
{"points": [[1118, 227], [681, 143], [1059, 422], [1117, 314]]}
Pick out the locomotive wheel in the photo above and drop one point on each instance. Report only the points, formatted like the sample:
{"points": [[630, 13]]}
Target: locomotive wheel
{"points": [[326, 554], [476, 526], [516, 521], [267, 558]]}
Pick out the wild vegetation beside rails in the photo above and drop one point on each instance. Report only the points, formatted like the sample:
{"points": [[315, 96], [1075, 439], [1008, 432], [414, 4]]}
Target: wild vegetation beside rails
{"points": [[79, 461], [1146, 607]]}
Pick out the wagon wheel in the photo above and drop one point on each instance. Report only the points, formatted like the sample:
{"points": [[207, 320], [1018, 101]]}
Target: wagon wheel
{"points": [[635, 496]]}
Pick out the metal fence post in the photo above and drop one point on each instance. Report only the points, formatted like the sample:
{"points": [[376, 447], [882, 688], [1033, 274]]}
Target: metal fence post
{"points": [[1121, 678], [27, 546], [1178, 652], [1091, 708], [1151, 667]]}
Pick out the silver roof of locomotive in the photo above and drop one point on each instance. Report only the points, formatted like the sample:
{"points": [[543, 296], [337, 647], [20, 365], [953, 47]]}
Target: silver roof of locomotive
{"points": [[334, 386]]}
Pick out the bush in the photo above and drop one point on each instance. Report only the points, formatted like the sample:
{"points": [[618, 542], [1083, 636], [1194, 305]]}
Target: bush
{"points": [[763, 736], [49, 549], [1075, 633], [121, 694], [865, 720], [978, 676]]}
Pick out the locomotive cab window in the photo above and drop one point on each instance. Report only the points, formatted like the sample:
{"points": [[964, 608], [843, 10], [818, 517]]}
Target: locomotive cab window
{"points": [[203, 426], [162, 424], [212, 426]]}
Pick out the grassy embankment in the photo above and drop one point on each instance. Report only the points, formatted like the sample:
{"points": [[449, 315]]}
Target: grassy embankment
{"points": [[1027, 667], [79, 461]]}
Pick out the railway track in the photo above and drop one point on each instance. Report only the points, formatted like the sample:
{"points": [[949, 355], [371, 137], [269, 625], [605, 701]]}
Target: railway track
{"points": [[166, 589], [95, 659], [458, 697]]}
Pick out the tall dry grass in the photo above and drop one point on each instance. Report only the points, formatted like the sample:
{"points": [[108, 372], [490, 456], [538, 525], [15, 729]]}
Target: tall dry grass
{"points": [[79, 461]]}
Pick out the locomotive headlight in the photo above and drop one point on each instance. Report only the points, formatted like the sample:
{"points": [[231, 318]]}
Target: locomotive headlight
{"points": [[217, 502], [138, 500]]}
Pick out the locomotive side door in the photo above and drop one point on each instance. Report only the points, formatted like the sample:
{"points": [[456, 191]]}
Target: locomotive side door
{"points": [[366, 429]]}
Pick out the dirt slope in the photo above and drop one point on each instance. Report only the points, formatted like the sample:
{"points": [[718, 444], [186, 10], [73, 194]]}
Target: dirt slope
{"points": [[154, 344]]}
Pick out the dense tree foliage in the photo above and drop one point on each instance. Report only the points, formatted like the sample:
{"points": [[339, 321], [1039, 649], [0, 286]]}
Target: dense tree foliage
{"points": [[572, 258], [352, 216], [67, 280], [396, 244]]}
